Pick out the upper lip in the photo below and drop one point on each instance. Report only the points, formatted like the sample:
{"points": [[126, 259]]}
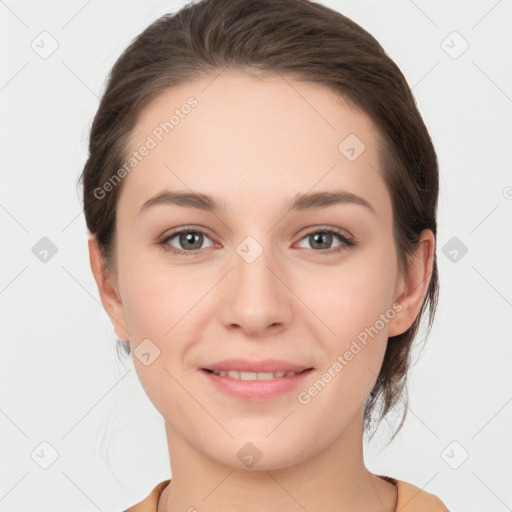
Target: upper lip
{"points": [[263, 366]]}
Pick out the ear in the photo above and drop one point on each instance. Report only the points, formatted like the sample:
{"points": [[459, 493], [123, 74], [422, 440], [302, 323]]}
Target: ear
{"points": [[108, 291], [411, 289]]}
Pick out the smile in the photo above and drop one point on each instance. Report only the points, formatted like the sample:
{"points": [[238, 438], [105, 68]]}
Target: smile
{"points": [[255, 386], [253, 375]]}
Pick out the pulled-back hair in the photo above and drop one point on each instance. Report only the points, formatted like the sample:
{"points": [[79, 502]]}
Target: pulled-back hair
{"points": [[304, 41]]}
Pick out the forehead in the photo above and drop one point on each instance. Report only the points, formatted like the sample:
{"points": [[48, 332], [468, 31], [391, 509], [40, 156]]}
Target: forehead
{"points": [[236, 135]]}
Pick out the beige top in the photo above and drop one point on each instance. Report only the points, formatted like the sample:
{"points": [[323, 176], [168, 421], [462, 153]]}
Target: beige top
{"points": [[410, 498]]}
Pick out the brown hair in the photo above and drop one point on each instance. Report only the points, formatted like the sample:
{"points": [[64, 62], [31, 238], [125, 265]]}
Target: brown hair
{"points": [[298, 39]]}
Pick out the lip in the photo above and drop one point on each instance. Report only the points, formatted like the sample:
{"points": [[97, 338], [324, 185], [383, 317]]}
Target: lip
{"points": [[265, 365], [256, 390]]}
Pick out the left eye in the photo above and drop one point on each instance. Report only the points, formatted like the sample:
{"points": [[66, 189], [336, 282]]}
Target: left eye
{"points": [[323, 237]]}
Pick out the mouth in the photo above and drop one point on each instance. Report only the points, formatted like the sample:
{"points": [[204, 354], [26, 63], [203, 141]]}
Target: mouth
{"points": [[245, 375], [254, 386]]}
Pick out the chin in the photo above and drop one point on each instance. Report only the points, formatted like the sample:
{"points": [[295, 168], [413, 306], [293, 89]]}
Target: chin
{"points": [[259, 454]]}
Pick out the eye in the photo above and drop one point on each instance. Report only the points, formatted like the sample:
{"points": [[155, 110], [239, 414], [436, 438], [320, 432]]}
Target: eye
{"points": [[321, 240], [188, 240]]}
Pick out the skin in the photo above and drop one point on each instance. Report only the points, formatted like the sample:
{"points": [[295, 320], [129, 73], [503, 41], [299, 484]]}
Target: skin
{"points": [[255, 143]]}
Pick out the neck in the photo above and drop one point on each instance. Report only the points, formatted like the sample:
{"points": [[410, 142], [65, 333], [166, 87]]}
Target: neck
{"points": [[335, 478]]}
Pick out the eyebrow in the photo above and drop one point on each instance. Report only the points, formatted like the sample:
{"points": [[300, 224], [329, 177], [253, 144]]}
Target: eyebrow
{"points": [[307, 201]]}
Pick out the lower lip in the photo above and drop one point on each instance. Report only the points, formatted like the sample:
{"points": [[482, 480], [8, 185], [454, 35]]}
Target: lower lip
{"points": [[256, 389]]}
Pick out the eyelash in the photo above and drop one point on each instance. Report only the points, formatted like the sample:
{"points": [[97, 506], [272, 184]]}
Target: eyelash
{"points": [[347, 241]]}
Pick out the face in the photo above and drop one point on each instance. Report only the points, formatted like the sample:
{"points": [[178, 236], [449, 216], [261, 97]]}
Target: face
{"points": [[274, 272]]}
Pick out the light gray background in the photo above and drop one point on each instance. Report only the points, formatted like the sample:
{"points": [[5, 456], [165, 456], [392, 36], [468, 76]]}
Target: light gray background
{"points": [[61, 381]]}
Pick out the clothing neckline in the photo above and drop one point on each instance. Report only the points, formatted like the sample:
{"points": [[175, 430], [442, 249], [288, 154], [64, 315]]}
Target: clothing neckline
{"points": [[389, 479]]}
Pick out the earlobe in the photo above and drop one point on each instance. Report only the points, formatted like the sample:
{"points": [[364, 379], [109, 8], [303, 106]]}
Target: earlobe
{"points": [[414, 284], [107, 289]]}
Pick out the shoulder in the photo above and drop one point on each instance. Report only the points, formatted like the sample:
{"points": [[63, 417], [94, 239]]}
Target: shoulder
{"points": [[414, 499], [150, 503]]}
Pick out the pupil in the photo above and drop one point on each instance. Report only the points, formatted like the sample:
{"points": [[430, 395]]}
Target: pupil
{"points": [[189, 238], [321, 236]]}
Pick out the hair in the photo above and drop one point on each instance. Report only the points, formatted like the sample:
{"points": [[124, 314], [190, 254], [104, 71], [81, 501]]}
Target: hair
{"points": [[305, 41]]}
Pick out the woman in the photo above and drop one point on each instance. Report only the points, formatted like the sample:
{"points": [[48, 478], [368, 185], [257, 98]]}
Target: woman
{"points": [[261, 197]]}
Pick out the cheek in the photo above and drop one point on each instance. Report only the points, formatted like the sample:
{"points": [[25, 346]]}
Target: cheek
{"points": [[159, 306], [156, 296], [350, 307], [346, 299]]}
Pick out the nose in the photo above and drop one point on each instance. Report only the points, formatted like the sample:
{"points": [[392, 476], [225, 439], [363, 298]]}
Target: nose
{"points": [[257, 299]]}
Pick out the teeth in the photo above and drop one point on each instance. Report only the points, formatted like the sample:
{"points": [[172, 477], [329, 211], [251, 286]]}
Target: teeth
{"points": [[253, 375]]}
